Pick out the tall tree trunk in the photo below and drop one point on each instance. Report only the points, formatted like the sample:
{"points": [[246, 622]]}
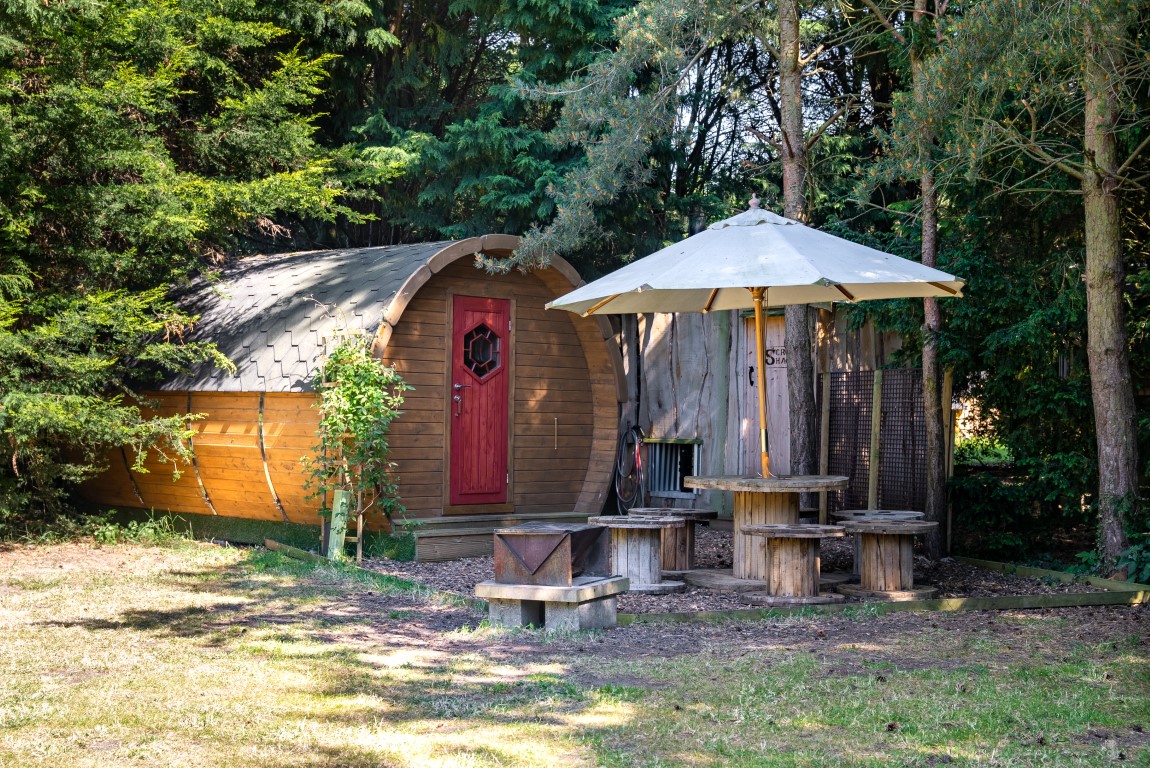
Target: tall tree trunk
{"points": [[934, 409], [1106, 344], [800, 370]]}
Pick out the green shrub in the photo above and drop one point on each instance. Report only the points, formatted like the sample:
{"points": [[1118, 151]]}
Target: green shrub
{"points": [[982, 451]]}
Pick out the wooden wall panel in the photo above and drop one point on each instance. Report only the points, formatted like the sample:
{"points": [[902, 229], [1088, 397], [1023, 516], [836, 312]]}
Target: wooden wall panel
{"points": [[229, 458], [417, 350], [290, 424], [602, 389], [114, 486], [158, 486], [845, 348]]}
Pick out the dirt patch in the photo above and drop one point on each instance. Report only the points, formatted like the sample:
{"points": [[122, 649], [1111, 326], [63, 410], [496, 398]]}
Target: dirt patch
{"points": [[32, 561]]}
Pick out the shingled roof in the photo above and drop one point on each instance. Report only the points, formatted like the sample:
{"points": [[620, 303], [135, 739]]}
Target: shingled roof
{"points": [[272, 315]]}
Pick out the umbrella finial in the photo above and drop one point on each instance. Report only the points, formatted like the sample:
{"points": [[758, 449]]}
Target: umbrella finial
{"points": [[754, 201]]}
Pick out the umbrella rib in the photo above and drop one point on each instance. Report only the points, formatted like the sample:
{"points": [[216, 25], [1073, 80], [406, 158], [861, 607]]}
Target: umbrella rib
{"points": [[710, 300], [601, 304], [844, 292], [946, 288]]}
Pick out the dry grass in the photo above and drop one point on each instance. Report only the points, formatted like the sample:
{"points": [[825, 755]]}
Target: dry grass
{"points": [[203, 656]]}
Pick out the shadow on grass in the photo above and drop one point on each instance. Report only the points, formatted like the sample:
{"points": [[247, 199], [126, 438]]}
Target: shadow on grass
{"points": [[268, 589], [389, 664]]}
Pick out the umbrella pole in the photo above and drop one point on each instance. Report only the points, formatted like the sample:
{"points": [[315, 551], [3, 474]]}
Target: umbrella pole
{"points": [[759, 295]]}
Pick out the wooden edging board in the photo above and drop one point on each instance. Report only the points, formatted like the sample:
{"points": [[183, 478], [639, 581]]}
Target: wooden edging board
{"points": [[1063, 576], [1118, 593], [1068, 600], [294, 552]]}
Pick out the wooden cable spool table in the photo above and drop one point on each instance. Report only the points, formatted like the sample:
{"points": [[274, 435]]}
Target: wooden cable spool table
{"points": [[793, 578], [763, 501], [886, 560], [636, 550], [678, 543], [871, 515]]}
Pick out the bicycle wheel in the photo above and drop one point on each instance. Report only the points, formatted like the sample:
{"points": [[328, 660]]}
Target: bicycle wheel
{"points": [[630, 485]]}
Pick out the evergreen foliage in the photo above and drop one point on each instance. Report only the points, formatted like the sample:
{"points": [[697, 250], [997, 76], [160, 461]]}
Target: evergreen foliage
{"points": [[140, 142]]}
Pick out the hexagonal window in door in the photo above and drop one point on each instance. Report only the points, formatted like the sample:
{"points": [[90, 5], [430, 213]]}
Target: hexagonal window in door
{"points": [[481, 350]]}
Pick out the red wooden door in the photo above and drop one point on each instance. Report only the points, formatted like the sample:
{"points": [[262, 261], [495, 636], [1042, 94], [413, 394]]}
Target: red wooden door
{"points": [[480, 340]]}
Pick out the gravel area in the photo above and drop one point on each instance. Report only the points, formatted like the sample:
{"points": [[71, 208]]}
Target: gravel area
{"points": [[713, 549]]}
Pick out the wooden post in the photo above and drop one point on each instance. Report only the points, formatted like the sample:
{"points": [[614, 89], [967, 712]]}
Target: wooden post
{"points": [[341, 502], [825, 443], [949, 425], [875, 427]]}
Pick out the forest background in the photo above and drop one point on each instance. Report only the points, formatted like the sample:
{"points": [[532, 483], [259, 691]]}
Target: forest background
{"points": [[147, 142]]}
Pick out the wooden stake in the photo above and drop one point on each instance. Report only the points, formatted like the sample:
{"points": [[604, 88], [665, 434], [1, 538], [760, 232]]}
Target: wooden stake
{"points": [[948, 428], [875, 425], [825, 443]]}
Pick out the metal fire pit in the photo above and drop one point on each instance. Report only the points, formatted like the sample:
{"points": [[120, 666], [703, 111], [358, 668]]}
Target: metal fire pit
{"points": [[550, 554]]}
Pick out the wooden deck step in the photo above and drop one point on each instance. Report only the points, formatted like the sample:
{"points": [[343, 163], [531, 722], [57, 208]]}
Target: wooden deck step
{"points": [[483, 521], [451, 538]]}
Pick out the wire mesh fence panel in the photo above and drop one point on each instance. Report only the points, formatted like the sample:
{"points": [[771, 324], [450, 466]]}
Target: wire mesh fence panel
{"points": [[902, 439], [849, 435], [902, 442]]}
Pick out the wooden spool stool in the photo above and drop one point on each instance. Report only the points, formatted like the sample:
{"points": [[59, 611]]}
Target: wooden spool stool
{"points": [[636, 550], [763, 501], [678, 543], [870, 515], [886, 560], [793, 578]]}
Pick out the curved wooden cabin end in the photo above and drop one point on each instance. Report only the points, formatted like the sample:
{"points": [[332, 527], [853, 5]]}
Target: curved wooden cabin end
{"points": [[562, 405]]}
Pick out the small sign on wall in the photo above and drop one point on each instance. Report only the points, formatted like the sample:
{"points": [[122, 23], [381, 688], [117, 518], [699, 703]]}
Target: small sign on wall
{"points": [[775, 357]]}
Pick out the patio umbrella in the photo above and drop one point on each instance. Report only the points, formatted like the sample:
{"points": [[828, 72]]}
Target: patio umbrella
{"points": [[756, 259]]}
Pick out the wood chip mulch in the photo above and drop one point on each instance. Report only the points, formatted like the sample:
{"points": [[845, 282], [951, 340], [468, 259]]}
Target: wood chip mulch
{"points": [[714, 550]]}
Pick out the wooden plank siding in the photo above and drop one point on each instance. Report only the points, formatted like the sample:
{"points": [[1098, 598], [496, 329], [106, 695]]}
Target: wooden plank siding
{"points": [[290, 423], [229, 457], [159, 488], [114, 486]]}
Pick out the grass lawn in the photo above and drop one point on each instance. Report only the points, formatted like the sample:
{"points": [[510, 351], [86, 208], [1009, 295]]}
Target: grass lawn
{"points": [[204, 656]]}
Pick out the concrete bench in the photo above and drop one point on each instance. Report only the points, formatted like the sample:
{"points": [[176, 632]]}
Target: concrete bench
{"points": [[589, 603]]}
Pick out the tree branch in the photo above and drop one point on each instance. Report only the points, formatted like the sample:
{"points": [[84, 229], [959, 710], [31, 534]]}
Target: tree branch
{"points": [[885, 21], [765, 139], [1133, 156], [828, 122], [805, 60], [1036, 152]]}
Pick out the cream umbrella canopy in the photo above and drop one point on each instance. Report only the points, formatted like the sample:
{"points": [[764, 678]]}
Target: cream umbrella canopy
{"points": [[754, 260]]}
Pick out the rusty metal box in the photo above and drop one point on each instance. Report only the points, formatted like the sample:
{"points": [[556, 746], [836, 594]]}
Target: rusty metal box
{"points": [[550, 554]]}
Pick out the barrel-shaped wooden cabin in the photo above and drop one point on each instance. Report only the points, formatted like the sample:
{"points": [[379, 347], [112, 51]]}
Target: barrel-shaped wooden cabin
{"points": [[512, 417]]}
